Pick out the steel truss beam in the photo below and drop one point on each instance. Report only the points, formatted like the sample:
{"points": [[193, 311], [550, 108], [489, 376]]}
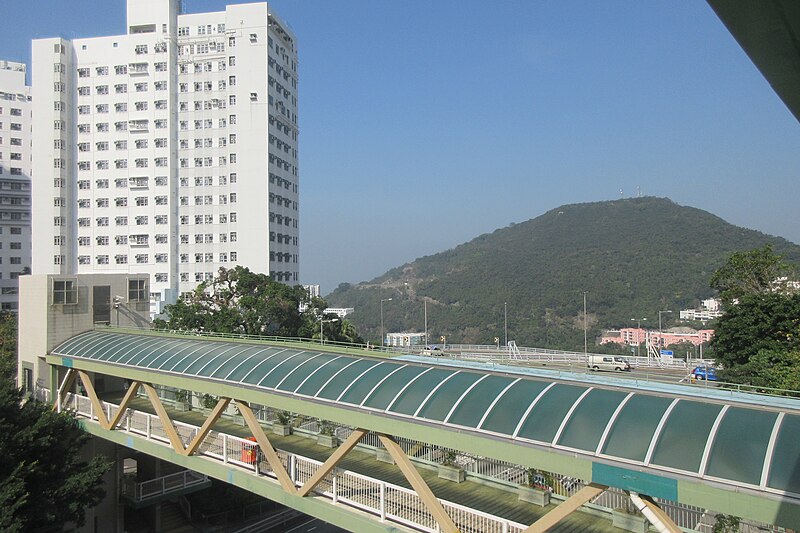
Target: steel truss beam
{"points": [[269, 452], [343, 449], [566, 508], [422, 489]]}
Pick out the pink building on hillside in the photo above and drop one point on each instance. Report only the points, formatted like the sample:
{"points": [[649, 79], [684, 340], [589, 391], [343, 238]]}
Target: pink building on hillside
{"points": [[635, 336]]}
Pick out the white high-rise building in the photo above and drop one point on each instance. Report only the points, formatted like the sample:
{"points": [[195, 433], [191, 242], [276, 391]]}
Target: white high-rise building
{"points": [[171, 150], [15, 183]]}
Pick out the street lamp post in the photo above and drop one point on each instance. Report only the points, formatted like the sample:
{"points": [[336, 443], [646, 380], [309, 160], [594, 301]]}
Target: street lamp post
{"points": [[425, 308], [638, 340], [505, 321], [661, 331], [384, 300], [321, 321], [585, 342]]}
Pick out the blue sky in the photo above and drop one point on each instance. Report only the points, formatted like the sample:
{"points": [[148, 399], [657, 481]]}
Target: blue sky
{"points": [[427, 123]]}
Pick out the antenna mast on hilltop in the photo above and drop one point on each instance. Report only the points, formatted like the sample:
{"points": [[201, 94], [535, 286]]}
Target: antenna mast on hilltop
{"points": [[621, 194], [638, 192]]}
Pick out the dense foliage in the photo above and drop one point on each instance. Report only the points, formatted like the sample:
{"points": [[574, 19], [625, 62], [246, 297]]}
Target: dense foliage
{"points": [[44, 483], [241, 301], [634, 257], [757, 340]]}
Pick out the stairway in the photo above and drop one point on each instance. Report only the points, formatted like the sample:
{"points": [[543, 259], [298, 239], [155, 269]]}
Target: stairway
{"points": [[173, 521]]}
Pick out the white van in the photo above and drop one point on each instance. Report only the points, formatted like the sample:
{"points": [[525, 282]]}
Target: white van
{"points": [[608, 362]]}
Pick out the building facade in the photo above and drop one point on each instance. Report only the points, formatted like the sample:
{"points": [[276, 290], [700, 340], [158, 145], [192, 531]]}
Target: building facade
{"points": [[15, 181], [170, 150], [637, 336]]}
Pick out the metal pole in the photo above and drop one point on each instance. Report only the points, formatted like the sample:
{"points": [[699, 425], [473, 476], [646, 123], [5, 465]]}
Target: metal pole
{"points": [[382, 335], [321, 337], [585, 342], [505, 321], [425, 307]]}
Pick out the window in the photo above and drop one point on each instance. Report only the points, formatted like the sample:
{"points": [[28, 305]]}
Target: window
{"points": [[161, 219], [102, 240], [101, 259], [121, 239], [160, 123], [142, 258], [161, 238], [161, 258], [137, 290], [65, 292], [121, 259]]}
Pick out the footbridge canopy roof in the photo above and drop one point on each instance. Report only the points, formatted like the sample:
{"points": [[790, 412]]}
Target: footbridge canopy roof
{"points": [[729, 442]]}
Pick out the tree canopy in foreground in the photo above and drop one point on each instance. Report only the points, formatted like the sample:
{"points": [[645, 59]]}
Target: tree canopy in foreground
{"points": [[244, 302], [44, 483], [757, 340]]}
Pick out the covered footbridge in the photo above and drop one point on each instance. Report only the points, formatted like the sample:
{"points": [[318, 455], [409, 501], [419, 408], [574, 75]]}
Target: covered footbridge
{"points": [[731, 452]]}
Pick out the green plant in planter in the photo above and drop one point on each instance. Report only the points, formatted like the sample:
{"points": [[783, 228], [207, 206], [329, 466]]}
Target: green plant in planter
{"points": [[208, 401], [182, 396], [284, 418], [449, 458], [326, 428], [726, 524]]}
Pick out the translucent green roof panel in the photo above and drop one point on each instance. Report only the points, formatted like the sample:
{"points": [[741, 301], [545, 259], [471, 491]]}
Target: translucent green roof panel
{"points": [[387, 390], [546, 416], [211, 358], [343, 379], [296, 362], [511, 406], [250, 365], [684, 436], [633, 429], [302, 372], [361, 388], [589, 419], [408, 401], [470, 410], [126, 350], [253, 374], [784, 472], [161, 361], [234, 359], [315, 381], [440, 403], [208, 367], [740, 445]]}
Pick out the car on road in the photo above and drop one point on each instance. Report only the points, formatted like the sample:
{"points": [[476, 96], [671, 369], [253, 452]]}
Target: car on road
{"points": [[608, 362], [434, 351], [704, 373]]}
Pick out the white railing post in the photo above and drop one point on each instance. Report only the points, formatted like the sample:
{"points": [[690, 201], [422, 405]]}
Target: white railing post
{"points": [[148, 427], [108, 411], [225, 448], [335, 488], [293, 468], [383, 501]]}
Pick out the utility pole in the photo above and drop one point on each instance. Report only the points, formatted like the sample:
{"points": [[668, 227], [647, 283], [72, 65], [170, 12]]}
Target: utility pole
{"points": [[585, 323]]}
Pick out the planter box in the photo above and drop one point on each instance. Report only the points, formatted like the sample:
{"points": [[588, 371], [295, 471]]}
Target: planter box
{"points": [[281, 429], [452, 473], [629, 522], [329, 441], [383, 456], [532, 495]]}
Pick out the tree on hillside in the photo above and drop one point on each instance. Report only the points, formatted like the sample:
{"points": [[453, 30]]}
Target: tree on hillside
{"points": [[239, 301], [44, 484], [755, 271]]}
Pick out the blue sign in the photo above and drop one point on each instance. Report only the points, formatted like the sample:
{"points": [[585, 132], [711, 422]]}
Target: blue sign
{"points": [[667, 352]]}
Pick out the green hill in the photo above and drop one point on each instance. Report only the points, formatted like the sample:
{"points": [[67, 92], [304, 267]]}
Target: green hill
{"points": [[634, 257]]}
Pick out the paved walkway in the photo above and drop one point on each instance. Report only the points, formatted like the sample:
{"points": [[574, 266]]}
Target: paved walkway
{"points": [[492, 500]]}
